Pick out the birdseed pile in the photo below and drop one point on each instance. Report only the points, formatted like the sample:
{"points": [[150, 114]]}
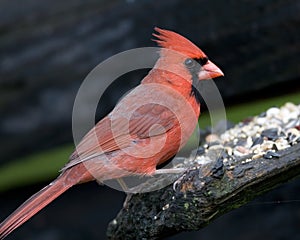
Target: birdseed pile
{"points": [[262, 136]]}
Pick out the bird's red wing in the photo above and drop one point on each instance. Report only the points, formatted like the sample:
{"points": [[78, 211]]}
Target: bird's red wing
{"points": [[151, 120], [98, 140], [110, 135]]}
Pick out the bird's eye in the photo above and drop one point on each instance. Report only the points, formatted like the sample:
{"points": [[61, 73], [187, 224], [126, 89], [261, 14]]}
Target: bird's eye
{"points": [[203, 61], [189, 63]]}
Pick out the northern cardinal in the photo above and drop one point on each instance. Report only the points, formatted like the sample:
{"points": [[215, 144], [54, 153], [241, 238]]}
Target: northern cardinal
{"points": [[145, 129]]}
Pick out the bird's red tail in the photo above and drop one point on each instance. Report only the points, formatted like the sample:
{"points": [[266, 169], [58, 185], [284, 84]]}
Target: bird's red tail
{"points": [[33, 205]]}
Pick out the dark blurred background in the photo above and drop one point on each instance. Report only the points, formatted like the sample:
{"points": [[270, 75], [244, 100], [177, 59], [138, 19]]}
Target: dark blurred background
{"points": [[48, 47]]}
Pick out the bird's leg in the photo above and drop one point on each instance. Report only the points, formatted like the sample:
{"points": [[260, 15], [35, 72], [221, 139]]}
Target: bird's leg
{"points": [[140, 188], [126, 201], [123, 185], [153, 183], [172, 171], [127, 191], [169, 171]]}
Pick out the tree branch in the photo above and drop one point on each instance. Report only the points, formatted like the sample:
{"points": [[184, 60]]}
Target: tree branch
{"points": [[204, 193]]}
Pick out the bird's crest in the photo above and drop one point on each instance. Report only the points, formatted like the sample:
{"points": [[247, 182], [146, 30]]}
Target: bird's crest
{"points": [[176, 42]]}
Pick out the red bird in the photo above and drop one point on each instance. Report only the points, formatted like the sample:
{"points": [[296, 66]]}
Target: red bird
{"points": [[145, 129]]}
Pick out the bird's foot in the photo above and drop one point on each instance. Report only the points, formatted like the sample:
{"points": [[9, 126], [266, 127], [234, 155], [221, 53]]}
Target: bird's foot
{"points": [[177, 182]]}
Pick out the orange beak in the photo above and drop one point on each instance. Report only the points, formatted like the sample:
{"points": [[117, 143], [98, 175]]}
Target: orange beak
{"points": [[209, 70]]}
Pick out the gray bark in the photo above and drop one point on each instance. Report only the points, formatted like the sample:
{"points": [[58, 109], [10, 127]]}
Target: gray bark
{"points": [[201, 196]]}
